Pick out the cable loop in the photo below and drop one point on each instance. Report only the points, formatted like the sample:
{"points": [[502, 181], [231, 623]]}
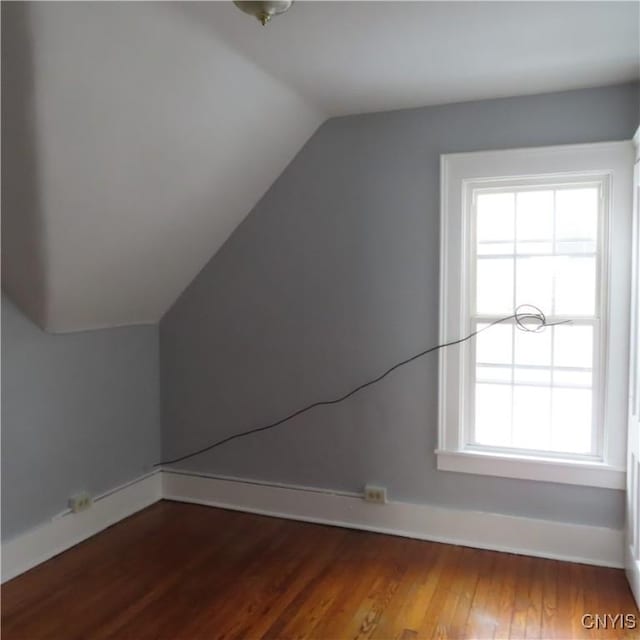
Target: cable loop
{"points": [[529, 313]]}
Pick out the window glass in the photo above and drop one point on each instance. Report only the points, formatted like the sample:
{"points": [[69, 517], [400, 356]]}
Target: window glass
{"points": [[534, 390]]}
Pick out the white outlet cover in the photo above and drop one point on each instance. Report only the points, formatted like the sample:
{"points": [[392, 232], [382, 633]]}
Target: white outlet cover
{"points": [[80, 502], [375, 494]]}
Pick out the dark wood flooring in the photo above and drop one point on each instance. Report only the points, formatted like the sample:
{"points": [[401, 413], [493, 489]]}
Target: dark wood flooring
{"points": [[179, 571]]}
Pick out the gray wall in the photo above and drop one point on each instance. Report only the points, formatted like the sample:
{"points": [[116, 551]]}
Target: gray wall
{"points": [[80, 411], [333, 277]]}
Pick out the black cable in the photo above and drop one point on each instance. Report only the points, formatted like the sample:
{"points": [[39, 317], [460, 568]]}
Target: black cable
{"points": [[523, 314]]}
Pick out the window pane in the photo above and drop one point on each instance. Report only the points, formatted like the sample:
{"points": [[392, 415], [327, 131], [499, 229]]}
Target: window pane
{"points": [[533, 348], [577, 213], [575, 286], [573, 346], [494, 344], [494, 293], [571, 420], [495, 217], [531, 411], [573, 378], [539, 247], [534, 282], [534, 215], [493, 414], [529, 375], [495, 248], [576, 246], [491, 373], [533, 390]]}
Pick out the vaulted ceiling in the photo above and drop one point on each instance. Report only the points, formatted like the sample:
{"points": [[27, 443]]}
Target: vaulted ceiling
{"points": [[355, 57], [136, 136], [144, 139]]}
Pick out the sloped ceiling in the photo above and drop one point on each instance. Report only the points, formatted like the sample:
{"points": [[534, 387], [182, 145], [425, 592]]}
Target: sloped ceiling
{"points": [[355, 57], [136, 136], [143, 141]]}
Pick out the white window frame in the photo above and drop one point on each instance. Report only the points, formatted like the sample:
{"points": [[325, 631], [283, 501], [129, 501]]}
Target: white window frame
{"points": [[611, 165]]}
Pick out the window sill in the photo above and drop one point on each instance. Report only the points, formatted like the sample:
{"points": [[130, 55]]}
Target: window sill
{"points": [[590, 474]]}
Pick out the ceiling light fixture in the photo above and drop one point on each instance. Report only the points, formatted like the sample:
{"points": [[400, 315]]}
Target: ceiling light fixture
{"points": [[264, 11]]}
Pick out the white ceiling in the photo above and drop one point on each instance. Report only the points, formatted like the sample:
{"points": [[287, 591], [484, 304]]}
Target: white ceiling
{"points": [[155, 127], [353, 57], [153, 140]]}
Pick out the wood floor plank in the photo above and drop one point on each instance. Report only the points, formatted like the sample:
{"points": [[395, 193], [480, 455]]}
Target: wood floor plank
{"points": [[361, 570], [394, 621], [383, 591], [521, 600], [203, 586], [576, 601], [432, 565], [177, 571], [615, 597], [507, 579], [435, 618], [473, 570], [549, 601], [481, 619], [534, 610], [258, 600], [300, 616]]}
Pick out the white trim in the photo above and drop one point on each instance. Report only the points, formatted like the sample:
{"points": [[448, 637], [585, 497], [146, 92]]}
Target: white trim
{"points": [[632, 546], [68, 529], [259, 483], [529, 536], [510, 534], [632, 570], [457, 170], [527, 468]]}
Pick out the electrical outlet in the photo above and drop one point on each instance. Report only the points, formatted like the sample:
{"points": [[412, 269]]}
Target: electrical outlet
{"points": [[377, 495], [80, 502]]}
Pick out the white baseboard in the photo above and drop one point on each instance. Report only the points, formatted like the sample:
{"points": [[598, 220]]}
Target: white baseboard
{"points": [[61, 533], [511, 534], [527, 536]]}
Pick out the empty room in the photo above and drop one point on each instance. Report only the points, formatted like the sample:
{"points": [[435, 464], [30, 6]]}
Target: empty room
{"points": [[320, 320]]}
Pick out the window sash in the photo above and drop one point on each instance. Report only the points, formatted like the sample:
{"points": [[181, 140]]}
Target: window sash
{"points": [[596, 388], [594, 320]]}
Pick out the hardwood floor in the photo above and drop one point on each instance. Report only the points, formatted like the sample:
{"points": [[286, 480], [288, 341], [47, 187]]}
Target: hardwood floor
{"points": [[181, 571]]}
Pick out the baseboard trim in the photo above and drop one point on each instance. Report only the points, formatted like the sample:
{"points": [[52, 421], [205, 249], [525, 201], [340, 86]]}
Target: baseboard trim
{"points": [[526, 536], [59, 534], [511, 534]]}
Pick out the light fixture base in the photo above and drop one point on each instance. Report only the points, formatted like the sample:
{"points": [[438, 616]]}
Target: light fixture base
{"points": [[263, 11]]}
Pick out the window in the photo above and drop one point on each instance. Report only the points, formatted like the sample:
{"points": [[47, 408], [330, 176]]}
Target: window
{"points": [[536, 227], [537, 391]]}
